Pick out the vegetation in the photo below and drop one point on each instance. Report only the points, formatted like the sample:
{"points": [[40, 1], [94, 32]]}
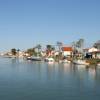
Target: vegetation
{"points": [[77, 51], [13, 51], [59, 44], [31, 51], [93, 61], [39, 47], [97, 44], [49, 47]]}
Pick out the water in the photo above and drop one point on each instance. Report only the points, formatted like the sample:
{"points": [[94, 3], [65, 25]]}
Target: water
{"points": [[26, 80]]}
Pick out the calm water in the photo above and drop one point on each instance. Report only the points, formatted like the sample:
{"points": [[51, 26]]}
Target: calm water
{"points": [[24, 80]]}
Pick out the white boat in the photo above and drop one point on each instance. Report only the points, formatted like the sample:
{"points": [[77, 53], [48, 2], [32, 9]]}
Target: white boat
{"points": [[28, 58], [66, 61], [33, 58], [49, 59], [98, 64], [10, 57], [80, 62]]}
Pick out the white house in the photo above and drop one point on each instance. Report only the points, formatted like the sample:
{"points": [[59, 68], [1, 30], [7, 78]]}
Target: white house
{"points": [[92, 49], [67, 51], [95, 52]]}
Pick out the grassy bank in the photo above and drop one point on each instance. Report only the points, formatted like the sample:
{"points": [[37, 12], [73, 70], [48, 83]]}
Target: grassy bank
{"points": [[93, 61]]}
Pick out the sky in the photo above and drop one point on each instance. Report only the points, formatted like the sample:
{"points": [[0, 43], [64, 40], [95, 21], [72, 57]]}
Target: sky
{"points": [[25, 23]]}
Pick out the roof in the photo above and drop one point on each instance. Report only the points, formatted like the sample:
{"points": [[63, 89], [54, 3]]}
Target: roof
{"points": [[92, 49], [96, 51], [67, 49], [86, 49]]}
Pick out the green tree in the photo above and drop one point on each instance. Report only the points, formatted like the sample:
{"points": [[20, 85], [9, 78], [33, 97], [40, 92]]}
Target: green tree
{"points": [[18, 51], [13, 51], [49, 47], [31, 51], [53, 48]]}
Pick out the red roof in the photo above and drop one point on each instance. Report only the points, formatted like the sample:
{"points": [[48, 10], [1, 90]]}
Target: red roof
{"points": [[67, 49]]}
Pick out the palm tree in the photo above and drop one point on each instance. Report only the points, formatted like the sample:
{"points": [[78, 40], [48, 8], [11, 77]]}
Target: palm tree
{"points": [[78, 47], [74, 48], [53, 48], [49, 47], [31, 51], [18, 51], [80, 44], [39, 49], [59, 44], [97, 44], [13, 51]]}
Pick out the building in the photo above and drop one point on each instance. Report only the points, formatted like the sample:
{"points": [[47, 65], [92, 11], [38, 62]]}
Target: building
{"points": [[67, 51], [92, 53]]}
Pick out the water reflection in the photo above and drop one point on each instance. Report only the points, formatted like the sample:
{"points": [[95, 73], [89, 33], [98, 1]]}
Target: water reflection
{"points": [[54, 70], [45, 80], [92, 73]]}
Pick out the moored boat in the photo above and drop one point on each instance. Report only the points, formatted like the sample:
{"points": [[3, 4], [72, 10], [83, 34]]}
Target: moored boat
{"points": [[80, 62], [66, 61], [98, 64], [49, 59], [33, 58]]}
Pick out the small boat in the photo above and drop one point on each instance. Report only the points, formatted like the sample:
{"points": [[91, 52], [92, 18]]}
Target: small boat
{"points": [[98, 64], [49, 59], [10, 57], [33, 58], [80, 62], [28, 58], [66, 61]]}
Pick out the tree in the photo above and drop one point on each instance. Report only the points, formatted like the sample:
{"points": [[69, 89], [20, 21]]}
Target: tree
{"points": [[49, 47], [74, 45], [80, 44], [13, 51], [38, 47], [59, 44], [31, 51], [97, 44], [18, 51], [53, 48]]}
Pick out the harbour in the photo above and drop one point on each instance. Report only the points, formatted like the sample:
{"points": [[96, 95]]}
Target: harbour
{"points": [[22, 79], [49, 49]]}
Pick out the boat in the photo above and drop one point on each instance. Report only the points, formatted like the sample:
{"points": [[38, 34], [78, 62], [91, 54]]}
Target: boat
{"points": [[80, 62], [13, 57], [28, 58], [33, 58], [98, 64], [66, 61], [49, 59]]}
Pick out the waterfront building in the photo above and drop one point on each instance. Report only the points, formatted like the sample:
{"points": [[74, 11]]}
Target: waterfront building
{"points": [[67, 51]]}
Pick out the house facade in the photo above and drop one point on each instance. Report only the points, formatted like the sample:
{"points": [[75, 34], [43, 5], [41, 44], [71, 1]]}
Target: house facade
{"points": [[92, 53], [67, 51], [96, 54]]}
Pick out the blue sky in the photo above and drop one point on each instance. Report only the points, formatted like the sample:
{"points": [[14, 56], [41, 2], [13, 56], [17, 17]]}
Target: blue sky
{"points": [[25, 23]]}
